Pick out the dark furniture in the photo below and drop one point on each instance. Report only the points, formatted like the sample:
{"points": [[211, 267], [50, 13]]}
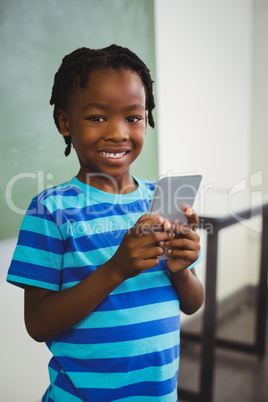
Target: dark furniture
{"points": [[208, 336]]}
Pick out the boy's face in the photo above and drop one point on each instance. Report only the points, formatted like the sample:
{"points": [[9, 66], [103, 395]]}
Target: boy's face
{"points": [[107, 122]]}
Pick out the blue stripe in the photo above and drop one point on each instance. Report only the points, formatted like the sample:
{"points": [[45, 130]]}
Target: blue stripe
{"points": [[45, 397], [73, 275], [92, 257], [60, 395], [98, 195], [54, 365], [150, 185], [135, 315], [117, 380], [64, 390], [120, 364], [61, 190], [145, 388], [20, 281], [138, 298], [40, 242], [90, 212], [64, 383], [34, 271], [98, 225], [157, 276], [119, 349], [34, 256], [54, 370], [95, 242], [171, 397], [119, 334], [41, 226], [64, 387], [72, 202], [39, 210]]}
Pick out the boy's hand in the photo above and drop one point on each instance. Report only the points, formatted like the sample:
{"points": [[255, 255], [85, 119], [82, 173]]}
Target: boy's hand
{"points": [[185, 246], [140, 246]]}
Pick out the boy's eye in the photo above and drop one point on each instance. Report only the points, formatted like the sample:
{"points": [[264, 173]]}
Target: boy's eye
{"points": [[97, 119], [133, 119]]}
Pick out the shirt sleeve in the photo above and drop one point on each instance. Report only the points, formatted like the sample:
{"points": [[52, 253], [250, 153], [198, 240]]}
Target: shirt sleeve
{"points": [[38, 255], [200, 257]]}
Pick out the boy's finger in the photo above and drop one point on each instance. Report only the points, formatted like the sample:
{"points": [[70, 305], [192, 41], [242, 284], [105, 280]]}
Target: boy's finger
{"points": [[183, 243], [192, 218], [135, 231], [146, 225], [155, 238], [177, 228], [191, 214]]}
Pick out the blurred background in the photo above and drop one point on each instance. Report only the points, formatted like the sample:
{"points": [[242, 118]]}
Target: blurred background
{"points": [[209, 61]]}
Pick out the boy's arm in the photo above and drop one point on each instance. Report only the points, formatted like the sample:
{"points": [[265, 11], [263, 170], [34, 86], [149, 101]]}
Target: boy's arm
{"points": [[189, 290], [48, 313], [184, 252]]}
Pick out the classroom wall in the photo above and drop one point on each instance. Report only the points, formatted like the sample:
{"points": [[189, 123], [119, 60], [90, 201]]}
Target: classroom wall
{"points": [[34, 37], [204, 73]]}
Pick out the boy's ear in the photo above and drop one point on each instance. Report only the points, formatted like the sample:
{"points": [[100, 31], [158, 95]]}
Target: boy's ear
{"points": [[63, 122]]}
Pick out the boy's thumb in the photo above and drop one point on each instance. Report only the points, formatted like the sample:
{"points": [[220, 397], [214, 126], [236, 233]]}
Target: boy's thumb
{"points": [[143, 217]]}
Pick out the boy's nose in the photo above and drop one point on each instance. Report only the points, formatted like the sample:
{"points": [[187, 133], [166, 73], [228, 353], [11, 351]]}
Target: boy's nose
{"points": [[117, 133]]}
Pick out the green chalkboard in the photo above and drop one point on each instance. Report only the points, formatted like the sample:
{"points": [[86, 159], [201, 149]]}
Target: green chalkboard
{"points": [[34, 36]]}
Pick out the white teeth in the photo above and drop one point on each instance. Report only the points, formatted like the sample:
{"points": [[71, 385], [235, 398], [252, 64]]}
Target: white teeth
{"points": [[112, 155]]}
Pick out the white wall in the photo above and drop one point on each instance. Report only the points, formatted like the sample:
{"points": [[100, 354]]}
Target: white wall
{"points": [[204, 85], [259, 138], [23, 362], [259, 143]]}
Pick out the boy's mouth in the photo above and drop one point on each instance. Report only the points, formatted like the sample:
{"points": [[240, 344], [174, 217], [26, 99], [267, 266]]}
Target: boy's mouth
{"points": [[113, 155]]}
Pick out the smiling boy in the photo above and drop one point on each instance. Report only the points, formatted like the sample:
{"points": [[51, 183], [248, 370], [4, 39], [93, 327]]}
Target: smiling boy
{"points": [[105, 305]]}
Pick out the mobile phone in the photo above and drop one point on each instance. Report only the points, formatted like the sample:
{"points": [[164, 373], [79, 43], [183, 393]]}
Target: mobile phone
{"points": [[172, 194]]}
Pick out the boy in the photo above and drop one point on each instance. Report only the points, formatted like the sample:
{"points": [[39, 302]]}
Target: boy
{"points": [[87, 255]]}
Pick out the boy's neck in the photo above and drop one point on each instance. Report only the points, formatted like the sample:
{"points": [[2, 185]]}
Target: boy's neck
{"points": [[119, 185]]}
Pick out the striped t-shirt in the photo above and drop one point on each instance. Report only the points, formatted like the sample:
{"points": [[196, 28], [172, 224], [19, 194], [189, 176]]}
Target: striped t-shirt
{"points": [[127, 349]]}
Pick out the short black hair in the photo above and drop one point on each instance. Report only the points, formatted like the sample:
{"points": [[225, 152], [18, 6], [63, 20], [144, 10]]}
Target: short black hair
{"points": [[83, 60]]}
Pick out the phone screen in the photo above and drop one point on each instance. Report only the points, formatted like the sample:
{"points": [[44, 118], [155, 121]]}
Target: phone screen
{"points": [[172, 194]]}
